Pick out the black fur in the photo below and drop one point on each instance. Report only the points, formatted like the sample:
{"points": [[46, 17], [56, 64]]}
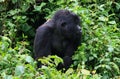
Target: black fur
{"points": [[59, 36]]}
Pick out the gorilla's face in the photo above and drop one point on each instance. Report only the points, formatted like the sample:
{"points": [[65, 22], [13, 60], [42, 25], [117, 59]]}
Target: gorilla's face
{"points": [[69, 26]]}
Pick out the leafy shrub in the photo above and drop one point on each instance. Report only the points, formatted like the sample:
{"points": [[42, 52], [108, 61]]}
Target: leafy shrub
{"points": [[101, 42]]}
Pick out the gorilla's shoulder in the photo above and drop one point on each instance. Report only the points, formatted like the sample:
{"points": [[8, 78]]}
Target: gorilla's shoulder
{"points": [[47, 26]]}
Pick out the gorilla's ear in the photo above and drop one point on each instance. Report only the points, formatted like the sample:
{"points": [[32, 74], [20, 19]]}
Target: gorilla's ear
{"points": [[63, 24]]}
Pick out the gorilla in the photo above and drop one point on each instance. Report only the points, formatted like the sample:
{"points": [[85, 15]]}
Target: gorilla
{"points": [[59, 36]]}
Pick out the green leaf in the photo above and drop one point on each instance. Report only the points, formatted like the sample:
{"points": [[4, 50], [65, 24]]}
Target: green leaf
{"points": [[14, 1], [19, 70], [6, 39], [7, 76], [25, 6], [112, 22], [38, 8], [108, 67], [69, 71], [115, 67], [29, 59], [85, 72], [102, 18], [117, 5], [25, 27], [110, 49], [2, 0]]}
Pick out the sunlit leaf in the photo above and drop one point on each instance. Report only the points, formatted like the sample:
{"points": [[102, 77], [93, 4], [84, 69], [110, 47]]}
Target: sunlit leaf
{"points": [[117, 5], [69, 71], [115, 67], [110, 49], [102, 18], [38, 8], [112, 22], [6, 39], [29, 59], [85, 72], [5, 76], [2, 0], [19, 70]]}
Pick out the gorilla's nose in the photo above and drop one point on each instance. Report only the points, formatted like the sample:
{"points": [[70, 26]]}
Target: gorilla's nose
{"points": [[79, 31]]}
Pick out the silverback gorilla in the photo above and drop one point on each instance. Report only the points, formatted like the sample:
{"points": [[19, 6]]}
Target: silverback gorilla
{"points": [[59, 36]]}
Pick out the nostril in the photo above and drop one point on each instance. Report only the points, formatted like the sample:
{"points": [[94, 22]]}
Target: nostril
{"points": [[79, 31]]}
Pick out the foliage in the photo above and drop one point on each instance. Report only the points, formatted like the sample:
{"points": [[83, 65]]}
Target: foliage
{"points": [[98, 57], [100, 50]]}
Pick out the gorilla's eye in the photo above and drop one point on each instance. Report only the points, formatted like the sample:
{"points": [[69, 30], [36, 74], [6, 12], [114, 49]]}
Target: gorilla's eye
{"points": [[63, 24]]}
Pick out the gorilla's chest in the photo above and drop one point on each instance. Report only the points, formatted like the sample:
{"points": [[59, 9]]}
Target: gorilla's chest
{"points": [[59, 44]]}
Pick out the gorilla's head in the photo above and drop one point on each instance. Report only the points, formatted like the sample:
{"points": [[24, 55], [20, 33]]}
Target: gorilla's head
{"points": [[67, 23]]}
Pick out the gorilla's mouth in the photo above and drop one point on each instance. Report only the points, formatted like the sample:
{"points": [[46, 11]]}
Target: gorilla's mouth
{"points": [[69, 34]]}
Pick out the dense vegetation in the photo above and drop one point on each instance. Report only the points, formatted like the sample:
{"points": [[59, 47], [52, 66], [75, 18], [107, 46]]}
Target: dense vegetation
{"points": [[98, 57]]}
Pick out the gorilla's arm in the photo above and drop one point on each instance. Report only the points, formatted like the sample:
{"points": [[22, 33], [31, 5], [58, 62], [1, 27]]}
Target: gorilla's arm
{"points": [[70, 51], [67, 59], [42, 42]]}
